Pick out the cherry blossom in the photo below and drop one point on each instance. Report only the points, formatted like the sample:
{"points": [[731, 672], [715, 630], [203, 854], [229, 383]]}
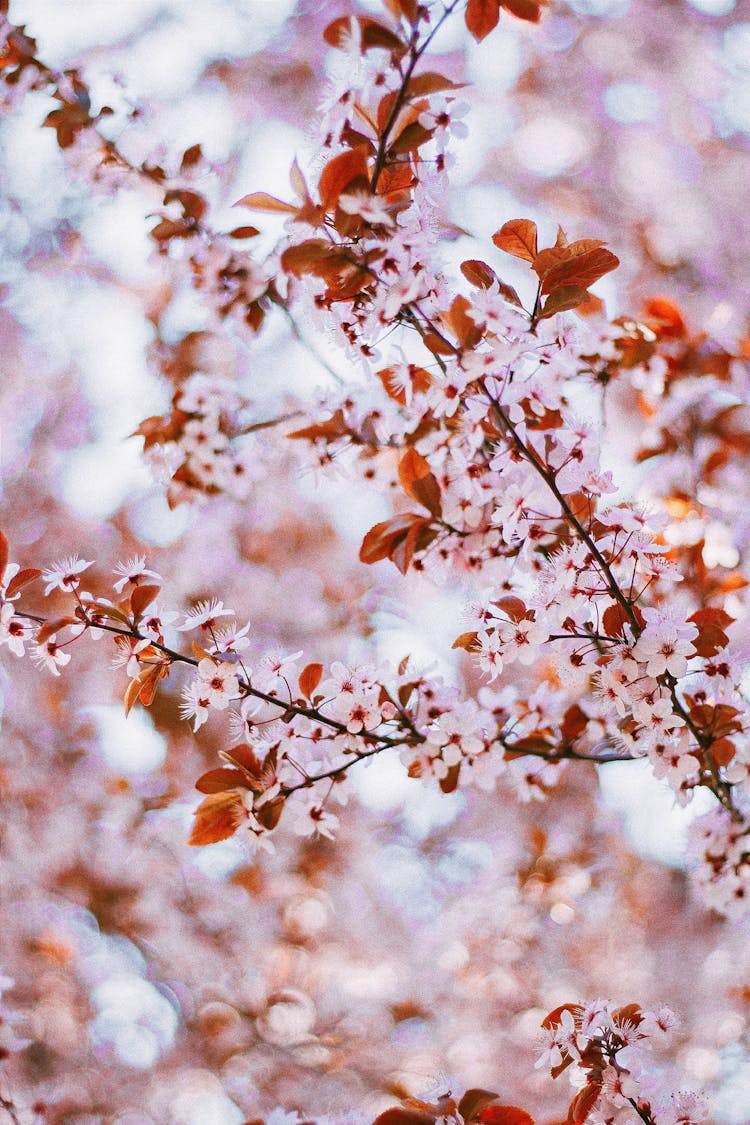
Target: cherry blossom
{"points": [[475, 485]]}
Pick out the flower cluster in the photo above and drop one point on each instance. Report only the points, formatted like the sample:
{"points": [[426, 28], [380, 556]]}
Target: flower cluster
{"points": [[197, 448], [607, 1050]]}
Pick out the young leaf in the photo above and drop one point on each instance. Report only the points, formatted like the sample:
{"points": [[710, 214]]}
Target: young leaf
{"points": [[262, 201], [473, 1101], [482, 17], [50, 628], [309, 678], [519, 238], [711, 623], [581, 269], [418, 481], [216, 818], [142, 597], [221, 780], [505, 1115], [478, 273], [191, 157], [583, 1103], [21, 579], [529, 10], [562, 299], [402, 1116], [430, 82], [345, 171], [468, 641], [373, 34], [244, 232]]}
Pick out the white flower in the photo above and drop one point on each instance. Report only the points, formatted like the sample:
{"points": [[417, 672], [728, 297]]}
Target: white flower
{"points": [[230, 639], [368, 207], [195, 703], [312, 819], [134, 572], [219, 683], [204, 616], [63, 575], [14, 631], [49, 655], [663, 650]]}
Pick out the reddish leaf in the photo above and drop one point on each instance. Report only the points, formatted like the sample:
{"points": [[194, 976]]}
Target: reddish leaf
{"points": [[615, 618], [170, 228], [307, 257], [462, 325], [505, 1115], [546, 259], [344, 276], [519, 238], [352, 138], [430, 83], [401, 1116], [99, 609], [221, 780], [419, 536], [333, 427], [420, 380], [426, 492], [562, 299], [436, 344], [574, 723], [309, 678], [269, 814], [21, 579], [132, 693], [347, 170], [191, 157], [396, 181], [385, 109], [513, 606], [410, 139], [261, 201], [142, 597], [591, 305], [478, 273], [554, 1018], [468, 641], [378, 542], [418, 481], [530, 10], [409, 9], [582, 269], [147, 693], [412, 467], [482, 17], [583, 245], [583, 1103], [665, 317], [723, 751], [244, 232], [3, 554], [243, 757], [373, 34], [192, 202], [449, 783], [473, 1101], [711, 623], [530, 744], [50, 628], [216, 818]]}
